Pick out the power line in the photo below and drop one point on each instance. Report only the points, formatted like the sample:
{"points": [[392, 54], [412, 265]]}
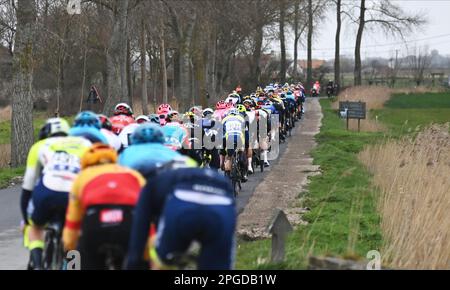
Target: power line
{"points": [[389, 44]]}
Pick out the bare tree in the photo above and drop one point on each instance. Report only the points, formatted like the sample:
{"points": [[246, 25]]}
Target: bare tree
{"points": [[282, 21], [337, 54], [22, 97], [117, 57], [299, 24], [309, 75], [419, 60], [388, 16], [7, 23]]}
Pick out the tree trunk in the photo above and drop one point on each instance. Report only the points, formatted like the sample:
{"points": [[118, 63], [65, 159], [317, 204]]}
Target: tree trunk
{"points": [[144, 94], [185, 66], [337, 54], [211, 64], [296, 38], [116, 59], [83, 82], [310, 34], [130, 88], [282, 42], [259, 37], [22, 133], [162, 48], [362, 22]]}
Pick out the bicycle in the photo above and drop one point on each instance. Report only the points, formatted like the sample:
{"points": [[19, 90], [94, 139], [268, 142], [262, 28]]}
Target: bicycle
{"points": [[235, 174], [53, 254], [112, 252], [258, 160]]}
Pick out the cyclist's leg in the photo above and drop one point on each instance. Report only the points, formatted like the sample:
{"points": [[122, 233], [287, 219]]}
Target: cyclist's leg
{"points": [[44, 202], [176, 230], [218, 242], [105, 226]]}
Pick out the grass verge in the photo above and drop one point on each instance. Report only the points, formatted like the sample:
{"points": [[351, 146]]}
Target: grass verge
{"points": [[343, 220], [8, 174]]}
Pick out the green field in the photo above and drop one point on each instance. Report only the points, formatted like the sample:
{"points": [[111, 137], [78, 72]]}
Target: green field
{"points": [[343, 220], [405, 112]]}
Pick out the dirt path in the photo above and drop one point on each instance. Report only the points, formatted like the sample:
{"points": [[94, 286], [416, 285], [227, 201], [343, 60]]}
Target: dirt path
{"points": [[287, 179]]}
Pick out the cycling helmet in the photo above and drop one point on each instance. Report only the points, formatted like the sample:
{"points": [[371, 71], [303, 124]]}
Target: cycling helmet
{"points": [[248, 103], [221, 105], [207, 112], [234, 112], [241, 108], [143, 119], [54, 127], [106, 123], [154, 118], [147, 133], [229, 105], [164, 109], [87, 119], [98, 154], [123, 109], [173, 116], [196, 110]]}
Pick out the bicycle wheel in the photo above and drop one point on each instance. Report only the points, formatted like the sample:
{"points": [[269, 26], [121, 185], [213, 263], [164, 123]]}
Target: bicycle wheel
{"points": [[58, 254], [235, 177], [47, 254]]}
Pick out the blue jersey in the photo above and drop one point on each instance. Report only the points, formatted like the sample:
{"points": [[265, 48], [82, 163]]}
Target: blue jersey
{"points": [[190, 205], [142, 157], [175, 136], [91, 133]]}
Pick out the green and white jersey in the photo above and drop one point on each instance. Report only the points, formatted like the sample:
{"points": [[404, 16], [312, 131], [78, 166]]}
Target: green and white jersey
{"points": [[58, 160]]}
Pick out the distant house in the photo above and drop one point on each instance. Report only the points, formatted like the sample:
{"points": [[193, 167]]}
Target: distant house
{"points": [[316, 63]]}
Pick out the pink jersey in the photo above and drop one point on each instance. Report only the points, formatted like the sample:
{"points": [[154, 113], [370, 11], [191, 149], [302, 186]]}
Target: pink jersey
{"points": [[220, 114]]}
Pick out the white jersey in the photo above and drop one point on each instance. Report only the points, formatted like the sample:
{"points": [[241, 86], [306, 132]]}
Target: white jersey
{"points": [[59, 159], [232, 99], [126, 133], [113, 139]]}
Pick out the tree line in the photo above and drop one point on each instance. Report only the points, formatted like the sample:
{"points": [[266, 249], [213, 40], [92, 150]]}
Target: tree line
{"points": [[203, 47]]}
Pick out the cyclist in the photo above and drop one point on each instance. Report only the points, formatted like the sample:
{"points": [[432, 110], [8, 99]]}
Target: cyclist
{"points": [[99, 214], [88, 125], [221, 110], [123, 116], [154, 119], [112, 138], [51, 169], [188, 205], [147, 149], [162, 112], [233, 98], [124, 136], [234, 127], [54, 127], [175, 133], [210, 131]]}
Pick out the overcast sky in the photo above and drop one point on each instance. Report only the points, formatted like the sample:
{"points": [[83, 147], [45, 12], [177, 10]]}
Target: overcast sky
{"points": [[435, 34]]}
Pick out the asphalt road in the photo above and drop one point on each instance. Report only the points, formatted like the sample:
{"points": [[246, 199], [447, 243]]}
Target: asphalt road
{"points": [[14, 257]]}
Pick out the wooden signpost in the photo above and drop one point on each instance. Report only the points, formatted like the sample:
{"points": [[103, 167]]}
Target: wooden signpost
{"points": [[354, 110], [279, 227]]}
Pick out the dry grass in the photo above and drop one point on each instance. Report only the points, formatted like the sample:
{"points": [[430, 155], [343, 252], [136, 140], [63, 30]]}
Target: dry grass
{"points": [[5, 114], [374, 97], [5, 155], [413, 176]]}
